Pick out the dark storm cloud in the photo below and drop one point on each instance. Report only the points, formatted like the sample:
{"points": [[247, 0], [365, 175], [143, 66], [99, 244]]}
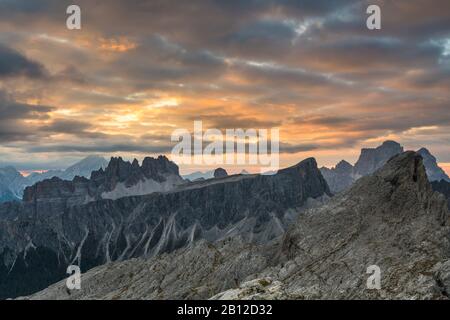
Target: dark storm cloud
{"points": [[66, 126], [431, 78], [24, 6], [78, 129], [300, 64], [268, 31], [12, 110], [396, 115], [156, 61], [415, 20], [13, 63], [13, 114], [372, 53], [100, 99], [295, 148], [324, 120], [105, 147]]}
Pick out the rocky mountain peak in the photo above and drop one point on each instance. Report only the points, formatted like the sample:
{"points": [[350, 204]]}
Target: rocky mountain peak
{"points": [[309, 164], [372, 159], [344, 166], [390, 144], [425, 152], [434, 172], [340, 177], [135, 164], [162, 165], [220, 173], [154, 175], [401, 186], [405, 169], [392, 219]]}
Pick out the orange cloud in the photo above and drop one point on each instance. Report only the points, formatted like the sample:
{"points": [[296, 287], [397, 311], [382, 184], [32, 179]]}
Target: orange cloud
{"points": [[120, 44]]}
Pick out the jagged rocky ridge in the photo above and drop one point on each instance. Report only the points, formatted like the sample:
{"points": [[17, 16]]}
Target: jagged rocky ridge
{"points": [[119, 179], [39, 239], [343, 175], [391, 219]]}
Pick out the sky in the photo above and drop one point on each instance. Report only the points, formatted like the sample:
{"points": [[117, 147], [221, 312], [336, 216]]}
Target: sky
{"points": [[137, 70]]}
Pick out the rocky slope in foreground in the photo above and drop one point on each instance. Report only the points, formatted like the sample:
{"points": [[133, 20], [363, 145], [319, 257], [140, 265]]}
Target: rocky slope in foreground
{"points": [[391, 219], [39, 239]]}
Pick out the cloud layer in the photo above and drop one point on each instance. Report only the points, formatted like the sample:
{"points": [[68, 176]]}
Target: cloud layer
{"points": [[140, 69]]}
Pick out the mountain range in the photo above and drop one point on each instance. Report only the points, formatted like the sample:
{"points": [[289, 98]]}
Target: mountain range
{"points": [[343, 175], [391, 219], [141, 231], [13, 183], [55, 226]]}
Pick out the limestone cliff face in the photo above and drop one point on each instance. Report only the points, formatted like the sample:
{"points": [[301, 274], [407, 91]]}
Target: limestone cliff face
{"points": [[372, 159], [41, 237], [392, 219]]}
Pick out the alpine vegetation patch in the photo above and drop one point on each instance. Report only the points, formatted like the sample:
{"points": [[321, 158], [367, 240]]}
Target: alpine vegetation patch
{"points": [[257, 147]]}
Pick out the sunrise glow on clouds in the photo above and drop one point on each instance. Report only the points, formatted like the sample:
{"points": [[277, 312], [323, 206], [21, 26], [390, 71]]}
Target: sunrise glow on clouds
{"points": [[138, 70]]}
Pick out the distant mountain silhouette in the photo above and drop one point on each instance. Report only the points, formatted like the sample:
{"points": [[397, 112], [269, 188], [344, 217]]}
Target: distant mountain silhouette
{"points": [[13, 183], [344, 174]]}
